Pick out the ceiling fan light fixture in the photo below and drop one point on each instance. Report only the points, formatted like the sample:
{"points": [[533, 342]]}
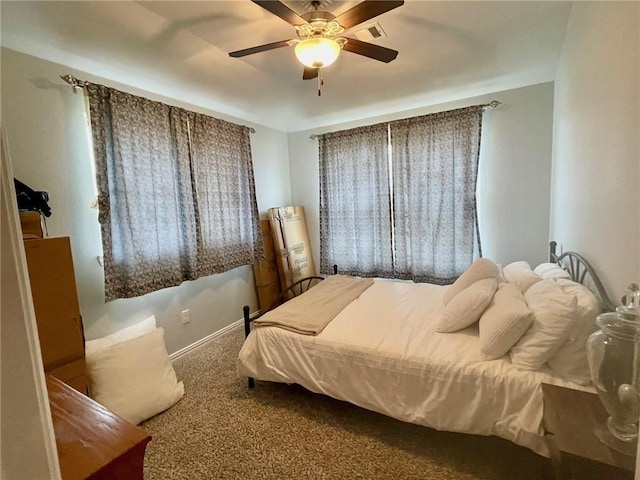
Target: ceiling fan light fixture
{"points": [[317, 52]]}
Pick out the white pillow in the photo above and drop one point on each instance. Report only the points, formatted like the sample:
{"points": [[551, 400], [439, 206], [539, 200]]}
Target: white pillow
{"points": [[480, 269], [145, 326], [467, 306], [504, 322], [521, 274], [570, 360], [134, 379], [553, 271], [553, 315]]}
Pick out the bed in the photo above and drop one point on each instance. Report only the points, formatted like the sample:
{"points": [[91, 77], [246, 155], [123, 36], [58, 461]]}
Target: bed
{"points": [[382, 351]]}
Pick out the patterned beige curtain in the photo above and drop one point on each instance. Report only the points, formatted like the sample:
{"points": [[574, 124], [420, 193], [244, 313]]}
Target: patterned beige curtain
{"points": [[435, 169], [157, 192], [355, 219], [227, 221]]}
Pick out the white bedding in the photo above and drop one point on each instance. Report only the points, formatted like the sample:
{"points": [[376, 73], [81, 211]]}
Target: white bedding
{"points": [[382, 353]]}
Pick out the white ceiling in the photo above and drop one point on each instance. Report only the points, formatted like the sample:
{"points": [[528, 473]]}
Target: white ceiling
{"points": [[448, 50]]}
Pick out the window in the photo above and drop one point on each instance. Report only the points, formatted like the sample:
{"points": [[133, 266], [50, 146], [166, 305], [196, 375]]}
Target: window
{"points": [[398, 199], [355, 219], [176, 193]]}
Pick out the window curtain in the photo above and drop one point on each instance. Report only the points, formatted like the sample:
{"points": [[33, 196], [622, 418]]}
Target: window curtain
{"points": [[227, 218], [157, 192], [435, 169], [355, 219]]}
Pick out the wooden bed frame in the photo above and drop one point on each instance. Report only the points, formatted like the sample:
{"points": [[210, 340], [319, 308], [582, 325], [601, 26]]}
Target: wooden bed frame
{"points": [[573, 263]]}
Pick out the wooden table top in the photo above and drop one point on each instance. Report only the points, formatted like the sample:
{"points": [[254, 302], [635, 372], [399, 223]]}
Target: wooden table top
{"points": [[571, 416], [88, 436]]}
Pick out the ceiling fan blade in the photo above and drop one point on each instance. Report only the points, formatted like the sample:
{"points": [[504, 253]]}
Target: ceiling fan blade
{"points": [[365, 11], [259, 48], [370, 50], [309, 73], [281, 10]]}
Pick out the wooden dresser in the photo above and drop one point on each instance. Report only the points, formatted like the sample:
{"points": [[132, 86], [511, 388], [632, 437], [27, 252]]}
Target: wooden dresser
{"points": [[93, 443], [55, 301]]}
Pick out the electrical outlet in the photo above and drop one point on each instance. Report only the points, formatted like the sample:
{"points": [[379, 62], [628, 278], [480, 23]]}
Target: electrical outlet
{"points": [[185, 317]]}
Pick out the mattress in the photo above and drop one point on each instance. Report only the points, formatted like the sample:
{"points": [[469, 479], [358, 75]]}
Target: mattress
{"points": [[382, 353]]}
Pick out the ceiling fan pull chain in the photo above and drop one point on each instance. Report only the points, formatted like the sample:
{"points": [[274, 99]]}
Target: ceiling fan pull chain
{"points": [[320, 82]]}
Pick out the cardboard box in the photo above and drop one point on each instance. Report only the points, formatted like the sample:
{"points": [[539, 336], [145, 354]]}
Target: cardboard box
{"points": [[55, 301], [267, 240], [267, 282], [31, 223], [268, 295], [291, 241], [73, 374], [266, 271]]}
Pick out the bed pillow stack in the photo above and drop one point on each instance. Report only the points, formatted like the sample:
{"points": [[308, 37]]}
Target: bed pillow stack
{"points": [[504, 322], [466, 307], [563, 317], [130, 372], [520, 274], [479, 270], [539, 317], [553, 321], [551, 271], [469, 296], [570, 359]]}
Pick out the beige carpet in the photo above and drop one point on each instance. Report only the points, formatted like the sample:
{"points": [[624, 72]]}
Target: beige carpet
{"points": [[223, 430]]}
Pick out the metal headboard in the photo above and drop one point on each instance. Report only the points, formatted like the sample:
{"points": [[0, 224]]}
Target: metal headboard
{"points": [[580, 269]]}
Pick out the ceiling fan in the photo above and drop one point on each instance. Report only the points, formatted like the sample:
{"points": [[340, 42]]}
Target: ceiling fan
{"points": [[319, 42]]}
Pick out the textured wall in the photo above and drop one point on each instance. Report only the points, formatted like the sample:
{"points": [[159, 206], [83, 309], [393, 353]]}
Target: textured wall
{"points": [[595, 206]]}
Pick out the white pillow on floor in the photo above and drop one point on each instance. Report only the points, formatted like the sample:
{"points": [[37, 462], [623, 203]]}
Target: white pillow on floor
{"points": [[135, 378], [140, 328]]}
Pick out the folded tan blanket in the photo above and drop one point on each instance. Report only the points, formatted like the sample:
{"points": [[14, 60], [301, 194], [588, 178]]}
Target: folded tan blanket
{"points": [[310, 312]]}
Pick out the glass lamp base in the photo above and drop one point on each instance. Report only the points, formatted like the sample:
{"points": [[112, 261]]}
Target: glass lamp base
{"points": [[605, 436]]}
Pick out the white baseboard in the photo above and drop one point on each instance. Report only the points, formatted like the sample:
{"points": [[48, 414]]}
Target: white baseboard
{"points": [[212, 336]]}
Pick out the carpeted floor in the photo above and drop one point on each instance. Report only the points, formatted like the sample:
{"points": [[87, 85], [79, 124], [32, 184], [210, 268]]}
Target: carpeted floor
{"points": [[223, 430]]}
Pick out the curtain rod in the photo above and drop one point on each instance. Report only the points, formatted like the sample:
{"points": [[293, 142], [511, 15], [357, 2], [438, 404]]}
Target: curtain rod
{"points": [[79, 84], [492, 104], [74, 82]]}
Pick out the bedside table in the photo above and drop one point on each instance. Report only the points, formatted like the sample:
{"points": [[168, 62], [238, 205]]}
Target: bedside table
{"points": [[569, 419]]}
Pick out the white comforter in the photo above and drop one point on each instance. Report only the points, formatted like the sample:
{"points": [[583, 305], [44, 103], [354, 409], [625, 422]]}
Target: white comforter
{"points": [[382, 353]]}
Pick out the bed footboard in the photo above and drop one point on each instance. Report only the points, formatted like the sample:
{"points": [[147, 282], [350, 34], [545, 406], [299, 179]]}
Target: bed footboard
{"points": [[246, 312], [295, 289]]}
